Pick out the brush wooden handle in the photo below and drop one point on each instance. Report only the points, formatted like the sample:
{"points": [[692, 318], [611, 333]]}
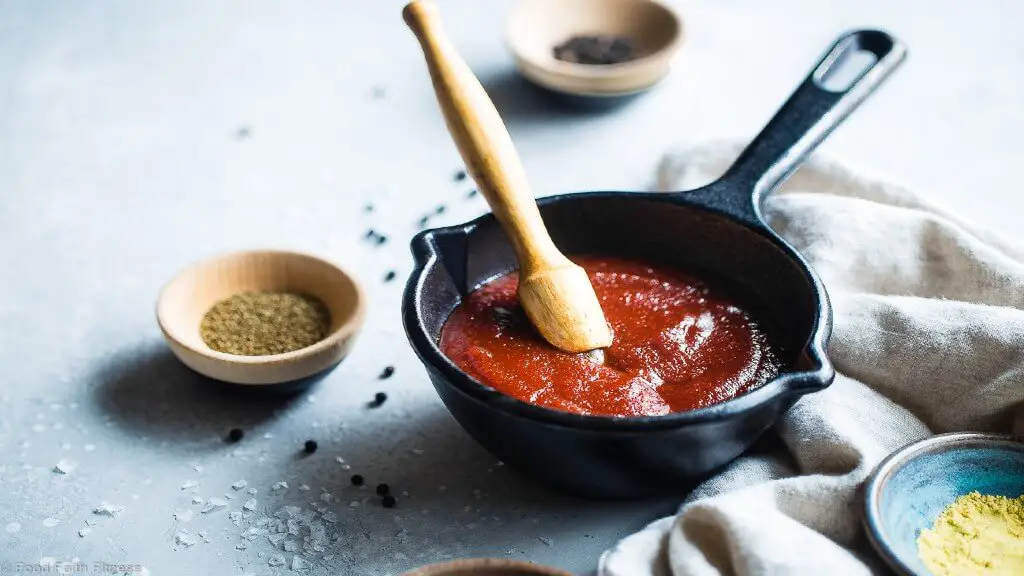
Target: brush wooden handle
{"points": [[484, 143], [556, 294]]}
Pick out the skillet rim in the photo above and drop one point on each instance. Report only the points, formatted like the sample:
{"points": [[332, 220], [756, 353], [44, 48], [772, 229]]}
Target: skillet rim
{"points": [[819, 377]]}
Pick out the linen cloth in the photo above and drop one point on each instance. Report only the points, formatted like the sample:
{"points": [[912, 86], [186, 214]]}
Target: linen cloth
{"points": [[928, 338]]}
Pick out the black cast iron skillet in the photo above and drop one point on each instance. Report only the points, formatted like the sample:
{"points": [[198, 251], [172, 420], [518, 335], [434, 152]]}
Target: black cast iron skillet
{"points": [[716, 233]]}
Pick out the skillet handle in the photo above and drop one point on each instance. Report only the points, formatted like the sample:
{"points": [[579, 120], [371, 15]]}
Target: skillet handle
{"points": [[810, 114]]}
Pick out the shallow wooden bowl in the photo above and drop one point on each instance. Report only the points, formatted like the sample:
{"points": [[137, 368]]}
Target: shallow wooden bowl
{"points": [[486, 567], [185, 300], [535, 27]]}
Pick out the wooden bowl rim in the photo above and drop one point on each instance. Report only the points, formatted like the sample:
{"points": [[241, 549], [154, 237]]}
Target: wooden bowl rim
{"points": [[350, 326], [455, 566], [571, 69]]}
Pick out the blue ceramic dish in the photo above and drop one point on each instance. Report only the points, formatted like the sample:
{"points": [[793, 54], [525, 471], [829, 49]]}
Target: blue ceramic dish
{"points": [[912, 486]]}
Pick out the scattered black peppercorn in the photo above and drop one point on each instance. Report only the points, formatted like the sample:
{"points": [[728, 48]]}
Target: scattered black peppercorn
{"points": [[386, 373], [375, 236], [383, 489], [440, 209], [472, 193], [235, 434], [243, 133], [389, 276], [310, 446], [596, 50], [357, 480], [378, 92], [388, 501], [460, 175], [368, 208], [422, 222], [378, 400]]}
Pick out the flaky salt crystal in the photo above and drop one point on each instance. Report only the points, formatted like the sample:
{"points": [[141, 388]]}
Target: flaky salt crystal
{"points": [[106, 509], [287, 512], [214, 504], [64, 466]]}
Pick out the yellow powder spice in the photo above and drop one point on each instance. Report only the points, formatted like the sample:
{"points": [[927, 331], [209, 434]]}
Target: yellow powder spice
{"points": [[976, 535]]}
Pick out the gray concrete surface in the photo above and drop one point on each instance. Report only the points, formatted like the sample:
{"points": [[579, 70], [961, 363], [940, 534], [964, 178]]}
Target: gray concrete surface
{"points": [[120, 163]]}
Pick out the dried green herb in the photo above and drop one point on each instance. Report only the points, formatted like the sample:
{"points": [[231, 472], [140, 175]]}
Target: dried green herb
{"points": [[261, 323]]}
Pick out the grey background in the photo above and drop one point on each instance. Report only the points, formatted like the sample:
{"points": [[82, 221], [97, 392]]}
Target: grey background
{"points": [[120, 164]]}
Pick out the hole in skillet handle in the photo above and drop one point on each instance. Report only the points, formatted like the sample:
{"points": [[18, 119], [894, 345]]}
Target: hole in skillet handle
{"points": [[846, 64], [836, 86]]}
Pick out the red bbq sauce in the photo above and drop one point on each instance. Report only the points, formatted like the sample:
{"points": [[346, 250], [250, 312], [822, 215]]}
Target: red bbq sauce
{"points": [[677, 345]]}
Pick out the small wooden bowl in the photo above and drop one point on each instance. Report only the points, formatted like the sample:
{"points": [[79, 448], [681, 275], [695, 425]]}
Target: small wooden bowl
{"points": [[535, 27], [185, 300], [486, 567]]}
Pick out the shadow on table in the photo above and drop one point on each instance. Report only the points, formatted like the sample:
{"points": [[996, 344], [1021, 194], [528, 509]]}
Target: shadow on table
{"points": [[521, 102], [148, 392], [454, 500]]}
